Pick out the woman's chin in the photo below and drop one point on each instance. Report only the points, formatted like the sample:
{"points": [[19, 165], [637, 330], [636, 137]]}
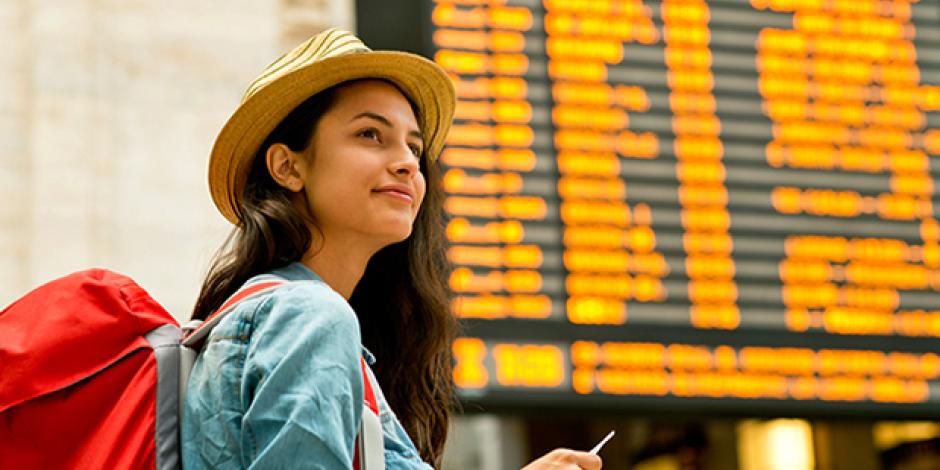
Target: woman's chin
{"points": [[394, 234]]}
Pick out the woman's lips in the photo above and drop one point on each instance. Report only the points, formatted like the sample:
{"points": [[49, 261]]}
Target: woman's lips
{"points": [[396, 194]]}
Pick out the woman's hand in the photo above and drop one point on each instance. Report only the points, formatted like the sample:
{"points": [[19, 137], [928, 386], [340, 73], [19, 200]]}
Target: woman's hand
{"points": [[564, 459]]}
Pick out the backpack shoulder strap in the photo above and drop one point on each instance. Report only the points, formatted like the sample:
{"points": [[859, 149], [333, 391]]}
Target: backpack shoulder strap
{"points": [[370, 445], [200, 331]]}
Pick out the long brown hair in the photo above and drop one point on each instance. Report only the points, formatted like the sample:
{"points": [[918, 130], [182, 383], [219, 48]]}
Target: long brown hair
{"points": [[401, 300]]}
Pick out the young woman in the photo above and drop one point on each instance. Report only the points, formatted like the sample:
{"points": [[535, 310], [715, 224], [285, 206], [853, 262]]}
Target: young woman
{"points": [[327, 170]]}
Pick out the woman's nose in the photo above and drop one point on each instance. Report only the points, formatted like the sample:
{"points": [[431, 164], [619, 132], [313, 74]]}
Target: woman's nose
{"points": [[405, 162]]}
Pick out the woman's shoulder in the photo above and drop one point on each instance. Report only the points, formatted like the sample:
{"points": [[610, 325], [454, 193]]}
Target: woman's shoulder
{"points": [[309, 298], [306, 313], [310, 295], [301, 297], [302, 287], [301, 311]]}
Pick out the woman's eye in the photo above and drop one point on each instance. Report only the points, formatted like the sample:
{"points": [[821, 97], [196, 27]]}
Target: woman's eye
{"points": [[369, 134], [415, 150]]}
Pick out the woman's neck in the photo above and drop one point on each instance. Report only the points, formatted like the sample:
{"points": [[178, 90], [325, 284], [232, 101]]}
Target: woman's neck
{"points": [[340, 265]]}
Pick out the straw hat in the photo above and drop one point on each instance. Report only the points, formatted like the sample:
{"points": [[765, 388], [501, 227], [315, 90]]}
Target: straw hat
{"points": [[327, 59]]}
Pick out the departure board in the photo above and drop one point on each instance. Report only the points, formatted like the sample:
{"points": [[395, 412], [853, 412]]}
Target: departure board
{"points": [[725, 206]]}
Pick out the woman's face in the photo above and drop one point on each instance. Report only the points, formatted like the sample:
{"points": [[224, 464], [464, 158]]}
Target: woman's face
{"points": [[362, 174]]}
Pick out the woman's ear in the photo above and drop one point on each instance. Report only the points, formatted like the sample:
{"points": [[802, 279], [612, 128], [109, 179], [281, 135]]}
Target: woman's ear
{"points": [[281, 162]]}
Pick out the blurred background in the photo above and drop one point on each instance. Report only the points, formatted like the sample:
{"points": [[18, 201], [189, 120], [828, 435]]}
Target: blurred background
{"points": [[708, 226]]}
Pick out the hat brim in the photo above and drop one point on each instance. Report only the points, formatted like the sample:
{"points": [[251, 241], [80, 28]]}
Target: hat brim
{"points": [[423, 81]]}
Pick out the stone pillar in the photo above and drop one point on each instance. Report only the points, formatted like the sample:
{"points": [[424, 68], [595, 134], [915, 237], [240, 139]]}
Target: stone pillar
{"points": [[170, 73], [301, 19], [64, 172], [15, 161], [108, 111]]}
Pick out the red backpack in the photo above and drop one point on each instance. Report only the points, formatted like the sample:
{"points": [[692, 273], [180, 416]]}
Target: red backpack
{"points": [[92, 371]]}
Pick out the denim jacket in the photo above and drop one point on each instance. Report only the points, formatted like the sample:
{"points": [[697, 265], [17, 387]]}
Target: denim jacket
{"points": [[278, 384]]}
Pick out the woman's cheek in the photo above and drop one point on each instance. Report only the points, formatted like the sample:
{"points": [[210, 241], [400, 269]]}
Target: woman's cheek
{"points": [[417, 208]]}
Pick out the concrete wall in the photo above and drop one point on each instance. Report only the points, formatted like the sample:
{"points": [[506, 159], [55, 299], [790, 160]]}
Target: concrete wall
{"points": [[108, 110]]}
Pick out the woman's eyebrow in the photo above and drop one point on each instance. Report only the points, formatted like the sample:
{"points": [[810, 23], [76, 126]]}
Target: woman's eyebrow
{"points": [[385, 121]]}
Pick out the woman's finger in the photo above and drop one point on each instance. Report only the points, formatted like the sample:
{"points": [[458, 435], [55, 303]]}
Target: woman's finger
{"points": [[587, 461], [566, 458]]}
